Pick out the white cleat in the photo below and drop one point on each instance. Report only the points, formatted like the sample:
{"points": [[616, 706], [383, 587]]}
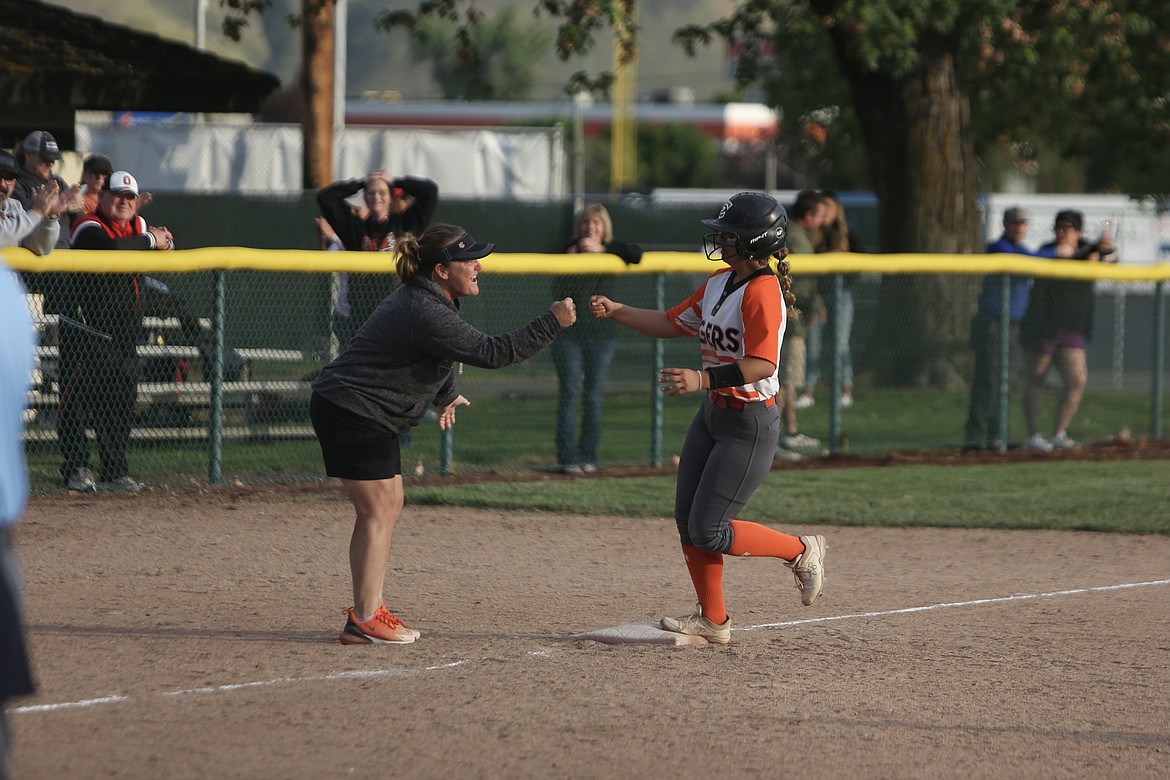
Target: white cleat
{"points": [[809, 569]]}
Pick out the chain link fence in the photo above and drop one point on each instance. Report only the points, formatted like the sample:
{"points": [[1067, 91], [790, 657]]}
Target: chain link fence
{"points": [[219, 364]]}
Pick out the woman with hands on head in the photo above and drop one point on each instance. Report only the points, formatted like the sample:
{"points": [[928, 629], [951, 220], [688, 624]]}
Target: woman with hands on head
{"points": [[393, 206], [401, 361], [739, 315]]}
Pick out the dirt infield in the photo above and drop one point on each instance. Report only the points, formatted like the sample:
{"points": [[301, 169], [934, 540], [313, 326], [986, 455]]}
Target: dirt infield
{"points": [[194, 635]]}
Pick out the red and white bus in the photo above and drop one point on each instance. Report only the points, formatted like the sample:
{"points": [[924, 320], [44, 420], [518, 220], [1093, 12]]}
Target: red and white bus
{"points": [[734, 123]]}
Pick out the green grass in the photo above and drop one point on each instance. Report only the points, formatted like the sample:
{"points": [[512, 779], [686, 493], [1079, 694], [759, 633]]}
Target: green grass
{"points": [[510, 427], [1118, 496]]}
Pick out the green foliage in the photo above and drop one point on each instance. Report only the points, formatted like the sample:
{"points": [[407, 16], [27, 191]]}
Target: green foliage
{"points": [[1086, 79], [668, 156], [493, 60], [238, 11], [676, 156]]}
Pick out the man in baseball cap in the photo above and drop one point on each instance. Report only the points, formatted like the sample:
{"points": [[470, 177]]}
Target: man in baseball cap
{"points": [[1015, 216], [121, 183], [36, 155], [9, 168], [102, 371], [985, 428], [36, 227]]}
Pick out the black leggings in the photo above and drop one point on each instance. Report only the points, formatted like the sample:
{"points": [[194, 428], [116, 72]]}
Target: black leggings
{"points": [[726, 456]]}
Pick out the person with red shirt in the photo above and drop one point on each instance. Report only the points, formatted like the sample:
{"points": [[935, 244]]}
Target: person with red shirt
{"points": [[739, 316], [99, 333]]}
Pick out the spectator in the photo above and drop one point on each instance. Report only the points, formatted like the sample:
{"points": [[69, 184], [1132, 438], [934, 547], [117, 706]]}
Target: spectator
{"points": [[983, 423], [36, 156], [99, 336], [804, 221], [341, 319], [94, 172], [1057, 324], [395, 207], [37, 227], [834, 236], [398, 364], [583, 353], [17, 343]]}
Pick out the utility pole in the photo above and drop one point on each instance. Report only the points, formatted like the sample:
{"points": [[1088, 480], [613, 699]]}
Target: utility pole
{"points": [[340, 56], [624, 124], [317, 83], [201, 24]]}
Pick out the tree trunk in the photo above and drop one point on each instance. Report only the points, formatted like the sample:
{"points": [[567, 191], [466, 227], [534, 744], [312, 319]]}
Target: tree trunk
{"points": [[917, 132], [317, 130]]}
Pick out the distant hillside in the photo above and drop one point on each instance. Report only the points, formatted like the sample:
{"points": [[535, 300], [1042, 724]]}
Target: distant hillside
{"points": [[381, 61]]}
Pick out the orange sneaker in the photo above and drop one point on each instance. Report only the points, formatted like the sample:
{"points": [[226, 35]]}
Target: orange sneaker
{"points": [[382, 629]]}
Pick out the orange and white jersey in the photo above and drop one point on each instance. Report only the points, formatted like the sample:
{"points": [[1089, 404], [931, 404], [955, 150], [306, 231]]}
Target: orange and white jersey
{"points": [[734, 321]]}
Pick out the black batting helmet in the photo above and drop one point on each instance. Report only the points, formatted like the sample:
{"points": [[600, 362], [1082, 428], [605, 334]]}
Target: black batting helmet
{"points": [[758, 222]]}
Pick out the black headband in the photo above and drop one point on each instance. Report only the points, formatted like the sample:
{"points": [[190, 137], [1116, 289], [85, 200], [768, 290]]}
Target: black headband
{"points": [[463, 248]]}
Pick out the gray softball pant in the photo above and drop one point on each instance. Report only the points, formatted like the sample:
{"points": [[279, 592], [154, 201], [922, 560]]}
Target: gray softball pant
{"points": [[725, 457]]}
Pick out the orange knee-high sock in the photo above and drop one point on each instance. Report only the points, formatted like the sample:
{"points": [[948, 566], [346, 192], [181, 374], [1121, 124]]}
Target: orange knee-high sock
{"points": [[706, 570], [762, 541]]}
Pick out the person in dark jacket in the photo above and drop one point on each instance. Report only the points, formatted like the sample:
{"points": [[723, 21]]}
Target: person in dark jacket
{"points": [[393, 207], [1055, 328], [99, 331], [36, 155], [399, 363], [583, 356]]}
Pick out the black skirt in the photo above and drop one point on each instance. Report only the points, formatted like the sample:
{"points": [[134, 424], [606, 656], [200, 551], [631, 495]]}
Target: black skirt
{"points": [[351, 446]]}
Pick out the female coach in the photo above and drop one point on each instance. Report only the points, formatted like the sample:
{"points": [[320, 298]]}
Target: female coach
{"points": [[399, 362], [739, 315]]}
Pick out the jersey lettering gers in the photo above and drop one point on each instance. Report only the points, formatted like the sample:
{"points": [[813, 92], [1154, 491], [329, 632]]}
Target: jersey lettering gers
{"points": [[711, 335], [748, 322]]}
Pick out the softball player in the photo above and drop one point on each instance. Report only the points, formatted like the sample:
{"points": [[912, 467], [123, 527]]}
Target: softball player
{"points": [[739, 315]]}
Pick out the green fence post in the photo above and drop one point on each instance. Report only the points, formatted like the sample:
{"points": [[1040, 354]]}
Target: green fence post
{"points": [[1159, 357], [1005, 369], [446, 451], [215, 432], [658, 359], [835, 384]]}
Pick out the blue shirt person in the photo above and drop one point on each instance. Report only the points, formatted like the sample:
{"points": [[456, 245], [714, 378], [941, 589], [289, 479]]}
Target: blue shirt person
{"points": [[983, 427]]}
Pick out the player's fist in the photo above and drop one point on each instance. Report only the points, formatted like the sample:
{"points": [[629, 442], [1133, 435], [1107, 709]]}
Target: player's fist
{"points": [[566, 312], [602, 308]]}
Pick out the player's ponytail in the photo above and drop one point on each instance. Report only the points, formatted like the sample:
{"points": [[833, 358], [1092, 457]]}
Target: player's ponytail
{"points": [[406, 259], [784, 273]]}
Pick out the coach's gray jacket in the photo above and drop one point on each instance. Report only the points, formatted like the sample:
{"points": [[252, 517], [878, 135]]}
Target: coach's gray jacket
{"points": [[403, 358]]}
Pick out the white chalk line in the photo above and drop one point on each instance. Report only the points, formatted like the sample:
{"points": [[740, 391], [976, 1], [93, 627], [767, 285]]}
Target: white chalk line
{"points": [[954, 604], [356, 675], [102, 701]]}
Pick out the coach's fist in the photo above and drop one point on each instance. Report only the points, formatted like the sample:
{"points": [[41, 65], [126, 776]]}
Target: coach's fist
{"points": [[566, 312]]}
